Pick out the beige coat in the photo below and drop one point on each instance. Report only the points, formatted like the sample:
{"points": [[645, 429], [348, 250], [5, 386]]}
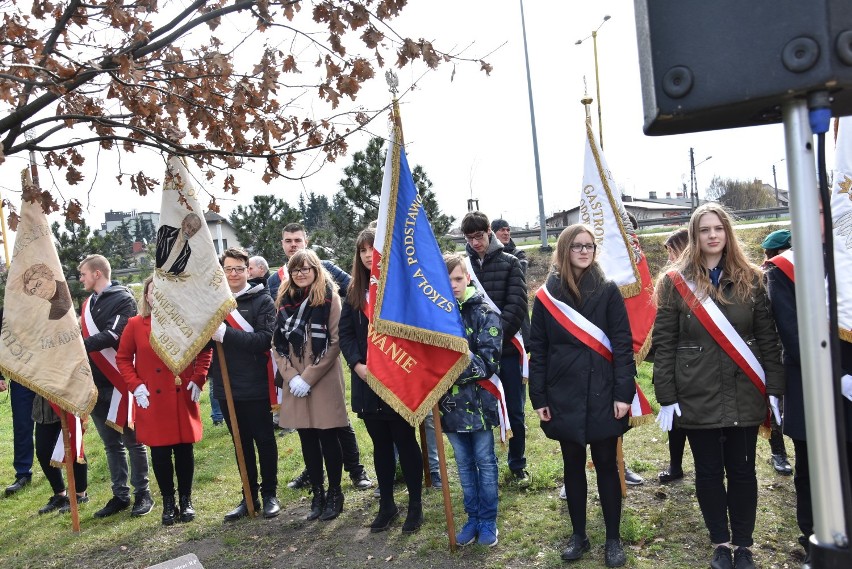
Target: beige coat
{"points": [[325, 406]]}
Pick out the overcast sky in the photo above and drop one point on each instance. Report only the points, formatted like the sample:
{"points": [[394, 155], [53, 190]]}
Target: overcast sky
{"points": [[472, 134]]}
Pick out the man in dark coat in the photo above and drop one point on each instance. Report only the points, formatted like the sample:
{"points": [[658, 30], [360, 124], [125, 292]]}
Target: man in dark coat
{"points": [[111, 306], [503, 280], [503, 232], [782, 296], [247, 356]]}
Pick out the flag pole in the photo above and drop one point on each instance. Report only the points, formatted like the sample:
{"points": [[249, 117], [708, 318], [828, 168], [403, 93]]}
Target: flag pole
{"points": [[619, 451], [424, 452], [5, 235], [70, 457], [445, 487], [235, 429]]}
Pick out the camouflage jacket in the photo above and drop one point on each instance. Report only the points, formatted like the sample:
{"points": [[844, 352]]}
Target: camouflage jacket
{"points": [[467, 406]]}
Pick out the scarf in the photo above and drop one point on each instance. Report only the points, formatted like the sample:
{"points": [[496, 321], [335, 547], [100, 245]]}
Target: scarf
{"points": [[295, 317]]}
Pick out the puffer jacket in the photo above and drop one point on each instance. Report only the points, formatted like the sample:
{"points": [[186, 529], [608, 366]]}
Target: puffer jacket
{"points": [[503, 280], [512, 249], [467, 406], [691, 369], [578, 384], [247, 353]]}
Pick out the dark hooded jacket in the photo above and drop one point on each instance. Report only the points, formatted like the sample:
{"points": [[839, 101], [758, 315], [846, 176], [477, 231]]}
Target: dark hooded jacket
{"points": [[467, 406], [578, 384], [114, 307], [247, 353], [503, 280]]}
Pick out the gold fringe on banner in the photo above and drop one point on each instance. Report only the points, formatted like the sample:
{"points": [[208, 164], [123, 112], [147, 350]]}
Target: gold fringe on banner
{"points": [[641, 420], [178, 366], [62, 403], [640, 356]]}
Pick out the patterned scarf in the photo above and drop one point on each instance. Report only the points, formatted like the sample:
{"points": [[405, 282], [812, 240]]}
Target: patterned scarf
{"points": [[295, 317]]}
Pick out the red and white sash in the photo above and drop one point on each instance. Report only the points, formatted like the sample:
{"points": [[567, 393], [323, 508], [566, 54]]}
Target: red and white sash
{"points": [[722, 331], [236, 320], [121, 407], [784, 261], [595, 339], [75, 436], [517, 339], [283, 275]]}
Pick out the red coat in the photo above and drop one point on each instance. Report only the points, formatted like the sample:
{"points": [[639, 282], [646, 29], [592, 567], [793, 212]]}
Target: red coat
{"points": [[172, 417]]}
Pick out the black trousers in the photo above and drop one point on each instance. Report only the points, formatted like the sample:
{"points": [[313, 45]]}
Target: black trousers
{"points": [[719, 454], [256, 431], [165, 470], [45, 439], [318, 446], [387, 433], [677, 444], [609, 486], [349, 447]]}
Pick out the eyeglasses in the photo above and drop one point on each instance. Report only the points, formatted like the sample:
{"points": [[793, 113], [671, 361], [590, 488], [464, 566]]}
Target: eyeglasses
{"points": [[302, 271], [478, 236], [580, 247], [238, 270]]}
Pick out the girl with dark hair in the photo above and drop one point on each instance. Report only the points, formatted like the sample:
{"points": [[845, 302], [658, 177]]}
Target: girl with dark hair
{"points": [[582, 380], [306, 351], [717, 358], [168, 417], [384, 425]]}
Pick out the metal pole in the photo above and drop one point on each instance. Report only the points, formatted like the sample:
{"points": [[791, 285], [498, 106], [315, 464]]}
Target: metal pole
{"points": [[817, 374], [598, 87], [775, 184], [693, 191], [541, 216]]}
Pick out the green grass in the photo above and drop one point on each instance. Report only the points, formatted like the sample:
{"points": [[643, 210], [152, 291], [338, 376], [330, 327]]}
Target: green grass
{"points": [[661, 526]]}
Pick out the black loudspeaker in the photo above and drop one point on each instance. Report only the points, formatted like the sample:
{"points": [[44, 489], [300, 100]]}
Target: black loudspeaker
{"points": [[714, 64]]}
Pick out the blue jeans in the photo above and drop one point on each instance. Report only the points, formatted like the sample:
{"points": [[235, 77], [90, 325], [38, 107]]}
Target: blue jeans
{"points": [[477, 466], [117, 447], [516, 399], [22, 426], [431, 445], [216, 410]]}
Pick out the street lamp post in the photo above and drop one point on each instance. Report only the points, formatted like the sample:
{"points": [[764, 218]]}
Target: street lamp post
{"points": [[594, 37], [541, 216]]}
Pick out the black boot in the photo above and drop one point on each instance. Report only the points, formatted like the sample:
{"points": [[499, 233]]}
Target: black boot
{"points": [[414, 518], [387, 514], [187, 512], [333, 504], [170, 513], [317, 502]]}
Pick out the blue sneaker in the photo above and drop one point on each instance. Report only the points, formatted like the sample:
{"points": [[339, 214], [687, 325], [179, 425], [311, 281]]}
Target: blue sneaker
{"points": [[467, 535], [488, 533]]}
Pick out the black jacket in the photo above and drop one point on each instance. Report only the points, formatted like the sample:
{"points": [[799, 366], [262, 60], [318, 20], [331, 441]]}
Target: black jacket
{"points": [[114, 307], [782, 296], [578, 384], [247, 353], [353, 343], [503, 280], [512, 249]]}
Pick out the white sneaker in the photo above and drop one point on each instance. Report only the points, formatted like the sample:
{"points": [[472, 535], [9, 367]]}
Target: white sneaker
{"points": [[562, 495]]}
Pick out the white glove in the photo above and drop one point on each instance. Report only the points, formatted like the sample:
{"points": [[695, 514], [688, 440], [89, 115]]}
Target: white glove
{"points": [[195, 391], [776, 410], [665, 418], [141, 394], [219, 334], [846, 386], [299, 387]]}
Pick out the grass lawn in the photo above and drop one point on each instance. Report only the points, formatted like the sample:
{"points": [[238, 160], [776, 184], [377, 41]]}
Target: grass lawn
{"points": [[662, 526]]}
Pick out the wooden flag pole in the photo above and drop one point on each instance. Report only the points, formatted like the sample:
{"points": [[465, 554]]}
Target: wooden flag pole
{"points": [[235, 430], [70, 457], [424, 451], [619, 457], [445, 486]]}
